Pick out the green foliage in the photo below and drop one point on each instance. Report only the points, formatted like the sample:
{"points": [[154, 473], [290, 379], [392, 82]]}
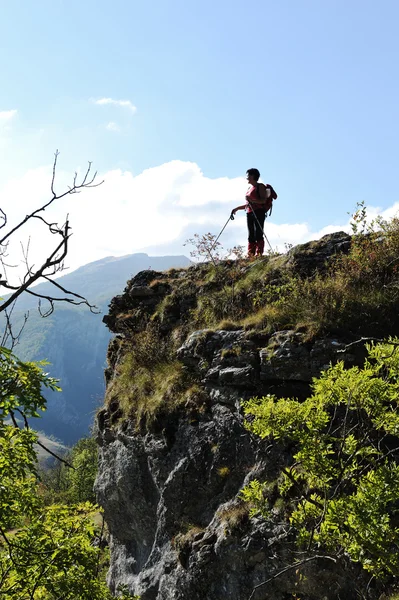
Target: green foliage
{"points": [[50, 555], [150, 380], [61, 484], [271, 294], [20, 396], [81, 478], [21, 384], [254, 496], [343, 480]]}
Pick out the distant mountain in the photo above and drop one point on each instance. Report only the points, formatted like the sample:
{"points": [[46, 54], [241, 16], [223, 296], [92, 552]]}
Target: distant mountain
{"points": [[75, 341]]}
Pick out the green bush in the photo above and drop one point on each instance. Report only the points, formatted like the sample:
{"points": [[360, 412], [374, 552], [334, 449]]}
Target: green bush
{"points": [[60, 483], [343, 479], [49, 553]]}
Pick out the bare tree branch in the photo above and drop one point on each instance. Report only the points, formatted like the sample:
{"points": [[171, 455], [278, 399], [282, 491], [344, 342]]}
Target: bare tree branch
{"points": [[289, 568], [8, 333], [60, 287], [54, 262], [3, 217], [362, 340], [56, 154], [39, 443]]}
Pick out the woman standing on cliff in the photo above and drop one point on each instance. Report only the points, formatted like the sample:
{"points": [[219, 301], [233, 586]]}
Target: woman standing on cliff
{"points": [[259, 198]]}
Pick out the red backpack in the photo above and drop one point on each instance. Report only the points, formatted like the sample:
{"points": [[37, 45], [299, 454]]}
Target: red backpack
{"points": [[269, 200]]}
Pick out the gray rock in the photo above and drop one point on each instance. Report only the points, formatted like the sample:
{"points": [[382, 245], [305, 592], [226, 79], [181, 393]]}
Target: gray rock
{"points": [[171, 495], [194, 348], [141, 291], [324, 353], [314, 255], [286, 358], [243, 377], [150, 493]]}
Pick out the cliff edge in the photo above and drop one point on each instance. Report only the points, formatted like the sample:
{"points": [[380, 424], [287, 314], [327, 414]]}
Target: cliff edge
{"points": [[190, 346]]}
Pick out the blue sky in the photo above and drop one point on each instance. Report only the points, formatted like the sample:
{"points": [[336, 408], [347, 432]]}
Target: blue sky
{"points": [[305, 90]]}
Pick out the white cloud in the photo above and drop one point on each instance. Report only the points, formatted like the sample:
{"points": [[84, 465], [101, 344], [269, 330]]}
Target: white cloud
{"points": [[112, 126], [123, 103], [7, 115], [154, 211]]}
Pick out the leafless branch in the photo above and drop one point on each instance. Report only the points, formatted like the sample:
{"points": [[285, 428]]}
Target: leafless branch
{"points": [[44, 313], [362, 340], [10, 337], [76, 187], [289, 568], [56, 154], [52, 300], [40, 444], [3, 217], [46, 268], [74, 294], [52, 260], [395, 345], [55, 455], [53, 227]]}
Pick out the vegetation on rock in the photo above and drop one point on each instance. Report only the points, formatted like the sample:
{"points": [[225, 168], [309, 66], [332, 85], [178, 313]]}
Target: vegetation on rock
{"points": [[340, 480], [61, 484], [46, 552], [353, 291]]}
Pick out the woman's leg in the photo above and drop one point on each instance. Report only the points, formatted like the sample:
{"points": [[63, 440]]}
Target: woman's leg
{"points": [[259, 225], [251, 234]]}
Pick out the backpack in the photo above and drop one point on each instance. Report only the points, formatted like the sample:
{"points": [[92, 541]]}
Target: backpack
{"points": [[270, 197]]}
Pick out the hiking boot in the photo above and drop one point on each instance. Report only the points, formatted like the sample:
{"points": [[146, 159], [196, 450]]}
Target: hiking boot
{"points": [[251, 249], [260, 246]]}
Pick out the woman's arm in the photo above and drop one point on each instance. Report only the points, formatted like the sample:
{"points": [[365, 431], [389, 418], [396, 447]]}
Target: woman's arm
{"points": [[233, 212]]}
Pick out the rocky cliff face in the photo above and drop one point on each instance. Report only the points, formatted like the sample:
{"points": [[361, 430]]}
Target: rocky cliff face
{"points": [[170, 483]]}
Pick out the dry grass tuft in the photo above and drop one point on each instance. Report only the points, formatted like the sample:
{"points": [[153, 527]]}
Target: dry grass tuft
{"points": [[235, 516]]}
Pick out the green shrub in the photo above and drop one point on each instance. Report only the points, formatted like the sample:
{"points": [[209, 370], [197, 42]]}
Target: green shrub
{"points": [[343, 480], [61, 484], [51, 553]]}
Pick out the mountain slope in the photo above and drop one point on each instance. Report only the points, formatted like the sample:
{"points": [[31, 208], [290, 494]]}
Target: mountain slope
{"points": [[74, 340]]}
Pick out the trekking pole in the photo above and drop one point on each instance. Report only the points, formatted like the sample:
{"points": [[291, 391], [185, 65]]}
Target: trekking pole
{"points": [[209, 250], [231, 218], [260, 227]]}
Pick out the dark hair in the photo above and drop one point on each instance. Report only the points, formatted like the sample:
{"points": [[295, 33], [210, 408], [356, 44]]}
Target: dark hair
{"points": [[254, 172]]}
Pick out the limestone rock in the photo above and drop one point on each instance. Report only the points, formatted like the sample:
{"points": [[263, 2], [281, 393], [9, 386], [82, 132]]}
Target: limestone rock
{"points": [[171, 491], [176, 522], [286, 357], [312, 256], [289, 357]]}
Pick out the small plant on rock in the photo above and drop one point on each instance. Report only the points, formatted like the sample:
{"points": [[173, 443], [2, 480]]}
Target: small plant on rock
{"points": [[206, 247]]}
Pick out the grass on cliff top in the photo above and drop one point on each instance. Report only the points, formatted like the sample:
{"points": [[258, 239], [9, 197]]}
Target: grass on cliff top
{"points": [[141, 392], [355, 290], [149, 380]]}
